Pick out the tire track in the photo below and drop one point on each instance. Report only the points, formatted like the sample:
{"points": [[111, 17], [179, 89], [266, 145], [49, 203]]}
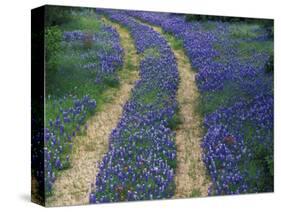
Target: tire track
{"points": [[74, 184], [191, 178]]}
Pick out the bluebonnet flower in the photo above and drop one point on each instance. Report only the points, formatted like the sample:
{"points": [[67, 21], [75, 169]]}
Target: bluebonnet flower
{"points": [[139, 163], [227, 148]]}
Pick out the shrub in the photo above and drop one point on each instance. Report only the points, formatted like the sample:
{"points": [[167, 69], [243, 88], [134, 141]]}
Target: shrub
{"points": [[53, 38], [57, 15]]}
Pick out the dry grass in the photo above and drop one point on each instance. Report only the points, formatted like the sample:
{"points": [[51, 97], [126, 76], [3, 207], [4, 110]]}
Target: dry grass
{"points": [[191, 178], [74, 184]]}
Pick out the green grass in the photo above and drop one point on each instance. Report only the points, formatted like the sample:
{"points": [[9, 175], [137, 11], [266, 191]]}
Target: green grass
{"points": [[245, 48], [208, 102], [87, 23], [176, 44], [195, 193], [68, 74], [208, 25], [151, 52], [175, 121], [243, 30], [149, 97], [69, 77], [130, 65], [261, 163]]}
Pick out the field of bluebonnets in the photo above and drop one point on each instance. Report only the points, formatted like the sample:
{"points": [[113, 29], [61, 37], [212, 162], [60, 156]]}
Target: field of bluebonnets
{"points": [[233, 63]]}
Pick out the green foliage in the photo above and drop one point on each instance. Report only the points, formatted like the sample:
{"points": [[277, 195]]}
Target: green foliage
{"points": [[111, 81], [267, 24], [195, 193], [208, 102], [209, 25], [245, 30], [246, 48], [64, 66], [172, 164], [58, 15], [175, 121], [130, 65], [88, 23], [151, 52], [53, 38], [175, 42], [260, 166], [148, 97]]}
